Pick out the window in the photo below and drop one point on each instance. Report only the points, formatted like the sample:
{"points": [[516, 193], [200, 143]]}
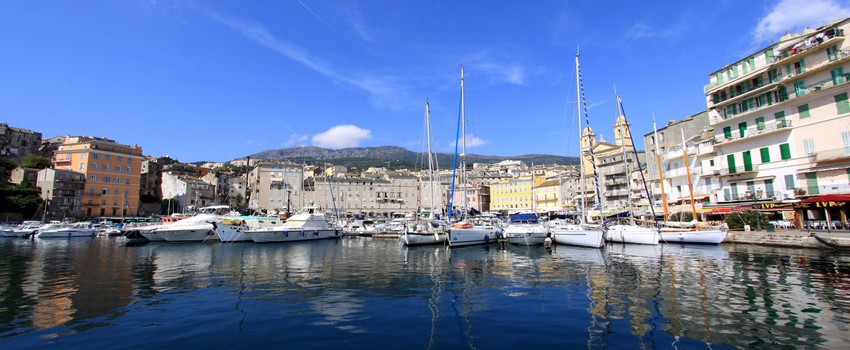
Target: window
{"points": [[760, 123], [126, 193], [129, 160], [789, 182], [95, 155], [800, 88], [106, 167], [107, 179], [803, 110], [102, 202], [780, 119], [842, 103], [812, 183], [118, 168], [727, 132], [126, 181], [832, 51], [108, 157], [120, 158], [95, 165], [845, 137], [91, 192], [748, 161], [104, 192], [82, 166], [730, 160], [809, 146], [768, 187], [117, 180], [838, 76], [785, 151], [765, 155], [742, 129], [83, 155]]}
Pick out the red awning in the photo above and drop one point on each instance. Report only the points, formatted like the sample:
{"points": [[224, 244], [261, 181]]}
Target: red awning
{"points": [[828, 198]]}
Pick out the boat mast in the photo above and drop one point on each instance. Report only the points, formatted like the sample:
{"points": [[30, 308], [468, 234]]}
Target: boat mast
{"points": [[688, 170], [463, 146], [430, 160], [642, 178], [583, 200], [628, 185], [583, 107], [660, 170]]}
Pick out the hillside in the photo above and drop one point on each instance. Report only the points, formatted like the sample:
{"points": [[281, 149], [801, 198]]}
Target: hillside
{"points": [[396, 157]]}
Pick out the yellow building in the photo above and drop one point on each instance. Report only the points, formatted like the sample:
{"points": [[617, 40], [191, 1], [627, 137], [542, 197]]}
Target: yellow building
{"points": [[113, 173], [512, 195]]}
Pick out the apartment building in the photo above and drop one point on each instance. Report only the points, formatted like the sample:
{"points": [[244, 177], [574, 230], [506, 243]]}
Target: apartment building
{"points": [[112, 170], [18, 142], [780, 118], [63, 191], [610, 167]]}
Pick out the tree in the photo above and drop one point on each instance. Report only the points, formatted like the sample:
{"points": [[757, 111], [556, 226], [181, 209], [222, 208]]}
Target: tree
{"points": [[36, 162], [749, 217], [682, 216], [20, 200]]}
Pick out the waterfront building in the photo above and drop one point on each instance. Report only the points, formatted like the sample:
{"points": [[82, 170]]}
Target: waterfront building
{"points": [[17, 143], [614, 165], [667, 140], [364, 196], [276, 187], [112, 170], [22, 175], [62, 190], [780, 118], [221, 186], [188, 192], [512, 195]]}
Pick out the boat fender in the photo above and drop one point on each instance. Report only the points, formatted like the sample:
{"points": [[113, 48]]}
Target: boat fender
{"points": [[315, 232], [487, 238], [286, 234], [302, 233]]}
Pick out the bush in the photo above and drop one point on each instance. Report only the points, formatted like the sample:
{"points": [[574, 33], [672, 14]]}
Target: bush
{"points": [[25, 201], [749, 217], [682, 216]]}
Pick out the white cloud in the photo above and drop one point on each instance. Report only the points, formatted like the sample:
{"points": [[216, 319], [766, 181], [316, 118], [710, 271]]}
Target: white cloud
{"points": [[793, 15], [296, 140], [342, 136], [472, 141], [498, 69]]}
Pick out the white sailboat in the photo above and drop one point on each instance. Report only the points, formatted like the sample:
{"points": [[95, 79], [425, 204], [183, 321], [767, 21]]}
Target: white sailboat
{"points": [[694, 234], [468, 231], [427, 230], [580, 234], [630, 232]]}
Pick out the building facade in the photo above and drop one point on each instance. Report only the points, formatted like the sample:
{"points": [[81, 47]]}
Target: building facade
{"points": [[62, 190], [17, 143], [112, 170]]}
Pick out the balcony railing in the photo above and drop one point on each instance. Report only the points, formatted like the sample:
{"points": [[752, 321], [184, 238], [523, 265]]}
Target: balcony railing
{"points": [[831, 36], [739, 170], [832, 154], [753, 132]]}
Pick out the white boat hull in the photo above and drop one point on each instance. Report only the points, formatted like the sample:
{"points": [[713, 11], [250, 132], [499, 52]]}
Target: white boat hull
{"points": [[691, 236], [16, 233], [476, 235], [188, 233], [67, 233], [423, 238], [232, 233], [579, 235], [632, 234], [292, 235], [526, 235], [152, 235]]}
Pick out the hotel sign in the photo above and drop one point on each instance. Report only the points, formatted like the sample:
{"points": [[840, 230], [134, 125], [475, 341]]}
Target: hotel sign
{"points": [[775, 206], [819, 205]]}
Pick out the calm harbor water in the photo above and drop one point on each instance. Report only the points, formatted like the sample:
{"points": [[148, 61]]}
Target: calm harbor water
{"points": [[364, 293]]}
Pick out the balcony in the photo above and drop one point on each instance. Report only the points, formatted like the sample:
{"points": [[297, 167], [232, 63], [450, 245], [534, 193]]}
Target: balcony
{"points": [[752, 132], [842, 153], [740, 170], [801, 49], [705, 149]]}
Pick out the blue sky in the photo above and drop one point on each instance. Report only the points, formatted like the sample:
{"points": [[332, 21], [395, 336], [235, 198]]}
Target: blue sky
{"points": [[218, 80]]}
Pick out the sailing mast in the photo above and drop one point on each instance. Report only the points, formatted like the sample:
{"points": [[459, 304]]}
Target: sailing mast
{"points": [[642, 178], [583, 200], [660, 171], [463, 146], [430, 160], [688, 169], [583, 103]]}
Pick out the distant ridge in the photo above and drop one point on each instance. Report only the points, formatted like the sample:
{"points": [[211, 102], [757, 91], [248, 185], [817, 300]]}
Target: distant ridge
{"points": [[397, 157]]}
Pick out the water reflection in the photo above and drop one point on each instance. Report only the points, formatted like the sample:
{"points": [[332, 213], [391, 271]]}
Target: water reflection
{"points": [[372, 291]]}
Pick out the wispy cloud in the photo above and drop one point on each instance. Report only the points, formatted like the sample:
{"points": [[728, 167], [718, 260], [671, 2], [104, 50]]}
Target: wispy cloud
{"points": [[342, 136], [472, 141], [385, 91], [296, 140], [793, 15], [499, 70], [313, 13], [360, 26]]}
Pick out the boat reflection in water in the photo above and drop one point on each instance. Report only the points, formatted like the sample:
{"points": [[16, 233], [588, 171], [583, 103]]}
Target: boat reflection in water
{"points": [[85, 293]]}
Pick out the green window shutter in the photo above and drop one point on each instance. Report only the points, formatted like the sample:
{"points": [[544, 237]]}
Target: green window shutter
{"points": [[720, 79], [838, 76], [789, 182], [727, 132], [848, 173], [752, 62], [842, 103], [812, 183], [783, 93], [772, 76], [751, 186], [788, 70], [745, 67], [742, 129], [803, 110], [735, 69], [769, 98], [802, 65], [768, 55], [845, 138], [730, 159], [832, 51], [748, 161], [768, 187], [780, 119], [765, 155], [785, 151], [800, 88], [760, 123], [734, 188], [726, 194]]}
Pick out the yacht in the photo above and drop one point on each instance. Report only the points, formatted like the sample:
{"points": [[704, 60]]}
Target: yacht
{"points": [[24, 230], [198, 228], [424, 232], [64, 230], [308, 225], [526, 229]]}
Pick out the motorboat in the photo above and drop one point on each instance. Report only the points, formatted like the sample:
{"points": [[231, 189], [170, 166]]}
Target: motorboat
{"points": [[24, 230], [66, 230], [308, 225], [198, 228], [526, 229], [424, 232]]}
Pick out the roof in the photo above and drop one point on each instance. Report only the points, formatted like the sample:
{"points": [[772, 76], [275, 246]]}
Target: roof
{"points": [[828, 198]]}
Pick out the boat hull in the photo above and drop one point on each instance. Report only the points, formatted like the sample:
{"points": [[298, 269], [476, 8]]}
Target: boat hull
{"points": [[578, 235], [476, 235], [15, 233], [232, 233], [632, 234], [526, 235], [694, 237], [67, 234], [297, 235], [423, 238], [188, 233]]}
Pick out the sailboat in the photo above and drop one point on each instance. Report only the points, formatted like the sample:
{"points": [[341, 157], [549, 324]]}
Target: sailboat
{"points": [[427, 230], [580, 234], [526, 229], [696, 234], [630, 232], [467, 231]]}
